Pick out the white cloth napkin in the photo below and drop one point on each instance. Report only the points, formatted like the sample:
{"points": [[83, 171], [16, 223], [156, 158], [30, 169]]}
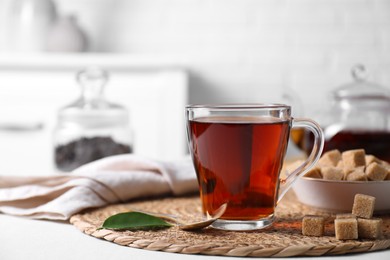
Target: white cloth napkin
{"points": [[109, 180]]}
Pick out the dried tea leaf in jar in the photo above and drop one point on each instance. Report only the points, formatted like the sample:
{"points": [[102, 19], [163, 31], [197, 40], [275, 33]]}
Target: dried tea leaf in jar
{"points": [[91, 127]]}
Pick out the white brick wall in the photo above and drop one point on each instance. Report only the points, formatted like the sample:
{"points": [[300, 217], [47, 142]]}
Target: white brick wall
{"points": [[248, 50]]}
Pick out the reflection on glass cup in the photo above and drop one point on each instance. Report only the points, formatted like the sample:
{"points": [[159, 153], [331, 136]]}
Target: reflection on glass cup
{"points": [[238, 153]]}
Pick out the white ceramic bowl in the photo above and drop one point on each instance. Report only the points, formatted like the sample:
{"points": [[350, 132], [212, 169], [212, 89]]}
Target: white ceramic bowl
{"points": [[338, 196]]}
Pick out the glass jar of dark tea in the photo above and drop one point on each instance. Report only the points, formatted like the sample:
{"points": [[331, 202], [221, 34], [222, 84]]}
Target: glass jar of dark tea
{"points": [[90, 128], [358, 117]]}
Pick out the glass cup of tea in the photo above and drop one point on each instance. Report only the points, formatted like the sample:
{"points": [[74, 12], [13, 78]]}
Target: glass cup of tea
{"points": [[238, 152]]}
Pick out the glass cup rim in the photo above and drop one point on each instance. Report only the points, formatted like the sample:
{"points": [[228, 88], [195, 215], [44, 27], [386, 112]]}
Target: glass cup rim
{"points": [[239, 106]]}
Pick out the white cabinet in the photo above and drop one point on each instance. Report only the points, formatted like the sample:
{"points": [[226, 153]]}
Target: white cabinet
{"points": [[33, 88]]}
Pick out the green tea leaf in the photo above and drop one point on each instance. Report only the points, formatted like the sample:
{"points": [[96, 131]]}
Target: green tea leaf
{"points": [[133, 221]]}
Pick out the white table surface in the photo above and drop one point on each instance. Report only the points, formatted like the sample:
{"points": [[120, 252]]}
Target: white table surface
{"points": [[22, 238]]}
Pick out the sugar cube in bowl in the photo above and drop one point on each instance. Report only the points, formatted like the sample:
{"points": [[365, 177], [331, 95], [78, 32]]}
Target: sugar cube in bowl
{"points": [[338, 177]]}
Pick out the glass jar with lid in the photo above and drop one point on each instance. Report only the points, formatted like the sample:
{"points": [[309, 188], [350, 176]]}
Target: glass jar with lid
{"points": [[358, 117], [90, 128]]}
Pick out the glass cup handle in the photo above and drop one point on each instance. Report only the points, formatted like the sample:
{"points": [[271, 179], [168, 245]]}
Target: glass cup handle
{"points": [[286, 184]]}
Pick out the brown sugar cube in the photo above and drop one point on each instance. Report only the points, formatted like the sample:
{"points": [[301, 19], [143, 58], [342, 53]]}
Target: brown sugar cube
{"points": [[357, 175], [346, 228], [330, 158], [348, 171], [363, 206], [371, 158], [345, 215], [313, 225], [354, 158], [370, 228], [340, 164], [387, 176], [376, 172], [332, 173], [387, 166], [314, 172], [384, 163]]}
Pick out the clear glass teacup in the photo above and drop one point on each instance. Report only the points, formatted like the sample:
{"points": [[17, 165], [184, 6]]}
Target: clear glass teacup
{"points": [[238, 152]]}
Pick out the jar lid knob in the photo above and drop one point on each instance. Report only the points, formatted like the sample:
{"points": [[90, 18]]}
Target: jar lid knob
{"points": [[359, 72], [92, 81], [92, 75]]}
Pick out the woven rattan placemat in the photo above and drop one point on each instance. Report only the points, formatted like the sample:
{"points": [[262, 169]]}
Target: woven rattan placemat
{"points": [[283, 239]]}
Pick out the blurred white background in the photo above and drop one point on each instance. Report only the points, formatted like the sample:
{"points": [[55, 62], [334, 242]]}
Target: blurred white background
{"points": [[245, 50]]}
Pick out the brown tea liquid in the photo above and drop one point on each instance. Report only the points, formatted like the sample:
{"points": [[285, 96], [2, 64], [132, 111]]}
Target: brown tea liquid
{"points": [[238, 161]]}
